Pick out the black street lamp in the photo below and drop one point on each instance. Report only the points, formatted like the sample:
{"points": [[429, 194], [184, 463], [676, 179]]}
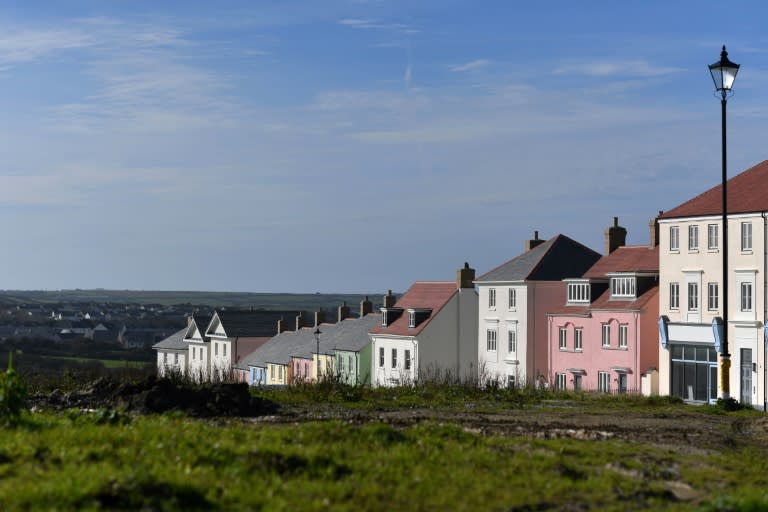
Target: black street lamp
{"points": [[317, 334], [724, 74]]}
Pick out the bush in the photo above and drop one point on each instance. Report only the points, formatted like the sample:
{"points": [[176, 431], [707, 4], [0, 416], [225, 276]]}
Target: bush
{"points": [[13, 395]]}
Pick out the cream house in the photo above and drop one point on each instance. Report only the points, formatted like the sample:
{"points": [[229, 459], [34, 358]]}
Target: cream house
{"points": [[691, 291]]}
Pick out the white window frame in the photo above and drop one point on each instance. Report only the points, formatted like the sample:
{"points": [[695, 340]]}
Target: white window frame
{"points": [[693, 296], [561, 381], [693, 237], [491, 298], [407, 359], [746, 236], [674, 238], [605, 330], [745, 293], [623, 333], [578, 292], [394, 358], [623, 286], [381, 357], [512, 298], [411, 319], [604, 382], [491, 338], [563, 337], [713, 237], [713, 296], [512, 341], [578, 339], [674, 295]]}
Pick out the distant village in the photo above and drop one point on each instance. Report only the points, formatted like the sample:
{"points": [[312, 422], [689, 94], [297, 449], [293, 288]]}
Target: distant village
{"points": [[132, 326], [630, 319]]}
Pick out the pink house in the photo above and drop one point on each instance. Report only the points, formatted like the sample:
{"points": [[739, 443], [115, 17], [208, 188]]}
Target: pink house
{"points": [[605, 337]]}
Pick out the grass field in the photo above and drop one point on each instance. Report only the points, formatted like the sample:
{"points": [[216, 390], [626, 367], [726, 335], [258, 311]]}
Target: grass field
{"points": [[483, 452]]}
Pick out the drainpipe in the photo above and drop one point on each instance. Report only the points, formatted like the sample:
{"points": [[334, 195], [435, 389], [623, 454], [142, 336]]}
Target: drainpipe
{"points": [[765, 304], [533, 330], [637, 357]]}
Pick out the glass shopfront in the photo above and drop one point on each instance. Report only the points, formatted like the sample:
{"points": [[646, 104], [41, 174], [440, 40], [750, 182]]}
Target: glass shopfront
{"points": [[694, 372]]}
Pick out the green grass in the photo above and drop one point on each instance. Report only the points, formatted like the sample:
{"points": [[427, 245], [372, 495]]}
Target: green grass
{"points": [[104, 460]]}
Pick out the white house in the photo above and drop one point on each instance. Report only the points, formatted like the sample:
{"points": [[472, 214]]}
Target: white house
{"points": [[172, 354], [514, 299], [198, 348], [429, 332], [691, 291]]}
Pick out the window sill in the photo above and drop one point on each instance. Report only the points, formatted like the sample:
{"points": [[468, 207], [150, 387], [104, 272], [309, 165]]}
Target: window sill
{"points": [[693, 251], [746, 252], [711, 250], [674, 251]]}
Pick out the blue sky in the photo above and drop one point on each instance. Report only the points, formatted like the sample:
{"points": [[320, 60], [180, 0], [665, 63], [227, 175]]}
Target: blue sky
{"points": [[352, 146]]}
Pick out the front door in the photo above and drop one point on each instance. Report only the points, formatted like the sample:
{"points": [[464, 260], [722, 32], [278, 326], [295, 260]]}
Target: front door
{"points": [[622, 383], [746, 376]]}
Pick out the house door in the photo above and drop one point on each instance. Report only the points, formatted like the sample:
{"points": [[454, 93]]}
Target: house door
{"points": [[577, 382], [746, 376], [622, 383]]}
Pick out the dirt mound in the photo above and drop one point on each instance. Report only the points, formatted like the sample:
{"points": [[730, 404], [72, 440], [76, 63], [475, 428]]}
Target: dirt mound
{"points": [[160, 395]]}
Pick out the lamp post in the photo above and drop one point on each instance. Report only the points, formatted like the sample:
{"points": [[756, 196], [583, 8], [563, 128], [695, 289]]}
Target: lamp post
{"points": [[317, 334], [724, 74]]}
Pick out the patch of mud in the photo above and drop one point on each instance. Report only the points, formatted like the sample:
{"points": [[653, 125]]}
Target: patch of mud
{"points": [[161, 395]]}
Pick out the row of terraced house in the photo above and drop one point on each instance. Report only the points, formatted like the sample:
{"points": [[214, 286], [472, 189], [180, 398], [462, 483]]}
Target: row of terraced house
{"points": [[630, 319]]}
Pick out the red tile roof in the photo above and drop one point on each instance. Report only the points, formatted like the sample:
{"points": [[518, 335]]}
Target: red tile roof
{"points": [[626, 259], [422, 294], [746, 194], [605, 303]]}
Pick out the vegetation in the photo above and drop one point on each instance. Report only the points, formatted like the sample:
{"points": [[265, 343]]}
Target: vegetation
{"points": [[13, 395], [104, 459], [438, 445]]}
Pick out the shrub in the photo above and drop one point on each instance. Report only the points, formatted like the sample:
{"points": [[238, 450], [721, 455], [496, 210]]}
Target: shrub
{"points": [[13, 395]]}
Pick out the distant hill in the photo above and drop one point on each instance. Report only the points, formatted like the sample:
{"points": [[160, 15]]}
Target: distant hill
{"points": [[302, 301]]}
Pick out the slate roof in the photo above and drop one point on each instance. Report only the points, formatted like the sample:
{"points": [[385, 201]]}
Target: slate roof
{"points": [[421, 295], [558, 258], [747, 193], [257, 323], [173, 342], [200, 321], [626, 259], [349, 334]]}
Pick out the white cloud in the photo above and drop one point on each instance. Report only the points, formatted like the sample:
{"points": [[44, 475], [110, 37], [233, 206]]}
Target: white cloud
{"points": [[30, 45], [603, 68], [470, 66]]}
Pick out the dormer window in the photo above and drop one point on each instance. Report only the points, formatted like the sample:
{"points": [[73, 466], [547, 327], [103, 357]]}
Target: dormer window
{"points": [[417, 315], [623, 287], [389, 315], [578, 292]]}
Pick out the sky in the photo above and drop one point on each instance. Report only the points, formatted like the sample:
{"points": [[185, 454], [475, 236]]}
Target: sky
{"points": [[350, 145]]}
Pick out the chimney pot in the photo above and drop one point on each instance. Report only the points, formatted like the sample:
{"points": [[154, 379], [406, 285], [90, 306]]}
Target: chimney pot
{"points": [[615, 237], [534, 242], [343, 311], [366, 307], [465, 276]]}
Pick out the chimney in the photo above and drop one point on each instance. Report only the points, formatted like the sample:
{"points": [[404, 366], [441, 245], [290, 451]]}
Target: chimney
{"points": [[366, 307], [389, 300], [535, 242], [615, 237], [465, 276], [343, 312], [653, 228], [299, 321], [281, 326], [319, 317]]}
